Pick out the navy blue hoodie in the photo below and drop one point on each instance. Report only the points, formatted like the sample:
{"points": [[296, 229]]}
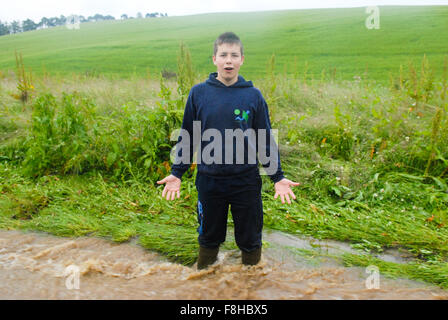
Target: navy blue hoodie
{"points": [[221, 107]]}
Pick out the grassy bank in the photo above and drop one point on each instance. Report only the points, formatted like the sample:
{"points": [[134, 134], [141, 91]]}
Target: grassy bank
{"points": [[83, 155]]}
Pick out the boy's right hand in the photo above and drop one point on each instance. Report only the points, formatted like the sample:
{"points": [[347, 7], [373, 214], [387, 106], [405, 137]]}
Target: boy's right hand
{"points": [[172, 187]]}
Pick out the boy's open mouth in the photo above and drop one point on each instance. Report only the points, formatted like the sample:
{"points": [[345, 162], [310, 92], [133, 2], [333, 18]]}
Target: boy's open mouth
{"points": [[228, 68]]}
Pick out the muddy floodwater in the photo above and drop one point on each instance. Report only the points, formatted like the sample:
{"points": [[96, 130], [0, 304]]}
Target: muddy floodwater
{"points": [[40, 266]]}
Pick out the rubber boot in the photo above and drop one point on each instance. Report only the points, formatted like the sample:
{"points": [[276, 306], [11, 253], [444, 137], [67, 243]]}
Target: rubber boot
{"points": [[207, 256], [251, 258]]}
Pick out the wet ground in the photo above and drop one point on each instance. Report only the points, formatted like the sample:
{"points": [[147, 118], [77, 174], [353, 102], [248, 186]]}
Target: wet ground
{"points": [[40, 266]]}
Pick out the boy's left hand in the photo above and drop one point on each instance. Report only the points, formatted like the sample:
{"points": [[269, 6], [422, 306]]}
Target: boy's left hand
{"points": [[283, 189]]}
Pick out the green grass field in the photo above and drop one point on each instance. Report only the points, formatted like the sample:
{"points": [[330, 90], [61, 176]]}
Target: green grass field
{"points": [[82, 155], [325, 39]]}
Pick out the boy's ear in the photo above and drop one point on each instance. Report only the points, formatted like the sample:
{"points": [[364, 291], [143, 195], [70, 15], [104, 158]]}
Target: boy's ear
{"points": [[214, 60], [242, 59]]}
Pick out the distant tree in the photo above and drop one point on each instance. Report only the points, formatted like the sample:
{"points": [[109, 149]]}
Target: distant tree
{"points": [[43, 23], [28, 25], [139, 15], [124, 16], [98, 17], [62, 20], [151, 15], [15, 27], [3, 28], [53, 21]]}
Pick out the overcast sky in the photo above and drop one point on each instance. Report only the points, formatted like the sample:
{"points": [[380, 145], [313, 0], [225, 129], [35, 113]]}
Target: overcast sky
{"points": [[36, 9]]}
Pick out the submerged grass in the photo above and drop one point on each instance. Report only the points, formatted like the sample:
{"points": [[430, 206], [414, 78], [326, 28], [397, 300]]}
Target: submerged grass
{"points": [[434, 272], [429, 272]]}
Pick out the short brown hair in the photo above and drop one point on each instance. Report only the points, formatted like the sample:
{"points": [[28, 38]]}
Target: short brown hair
{"points": [[227, 37]]}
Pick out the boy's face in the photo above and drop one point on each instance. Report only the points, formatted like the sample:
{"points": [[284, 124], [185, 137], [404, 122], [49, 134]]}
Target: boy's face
{"points": [[228, 61]]}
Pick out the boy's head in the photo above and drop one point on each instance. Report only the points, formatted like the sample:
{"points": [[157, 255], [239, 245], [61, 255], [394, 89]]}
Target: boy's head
{"points": [[228, 57]]}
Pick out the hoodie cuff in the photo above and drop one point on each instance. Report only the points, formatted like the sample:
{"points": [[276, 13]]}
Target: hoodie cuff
{"points": [[177, 173], [277, 177]]}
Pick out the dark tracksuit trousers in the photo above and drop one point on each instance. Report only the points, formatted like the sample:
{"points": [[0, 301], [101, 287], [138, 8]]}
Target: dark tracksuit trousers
{"points": [[243, 195]]}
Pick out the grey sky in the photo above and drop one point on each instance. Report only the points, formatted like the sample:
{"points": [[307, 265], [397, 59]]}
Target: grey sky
{"points": [[35, 10]]}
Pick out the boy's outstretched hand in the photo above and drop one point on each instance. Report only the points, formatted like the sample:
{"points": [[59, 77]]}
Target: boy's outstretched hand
{"points": [[283, 189], [172, 187]]}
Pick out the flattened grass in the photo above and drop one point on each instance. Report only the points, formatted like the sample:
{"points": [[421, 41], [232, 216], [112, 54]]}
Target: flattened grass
{"points": [[373, 200]]}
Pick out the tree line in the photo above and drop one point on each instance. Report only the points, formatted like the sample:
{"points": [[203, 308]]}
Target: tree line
{"points": [[17, 26]]}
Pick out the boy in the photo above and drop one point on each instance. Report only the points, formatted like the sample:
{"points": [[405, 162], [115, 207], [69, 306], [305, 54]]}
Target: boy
{"points": [[224, 102]]}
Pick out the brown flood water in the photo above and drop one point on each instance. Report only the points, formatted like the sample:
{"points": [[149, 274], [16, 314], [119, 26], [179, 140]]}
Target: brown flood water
{"points": [[36, 266]]}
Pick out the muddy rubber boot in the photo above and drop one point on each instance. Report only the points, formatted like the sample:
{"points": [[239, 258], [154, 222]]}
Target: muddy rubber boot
{"points": [[207, 256], [251, 258]]}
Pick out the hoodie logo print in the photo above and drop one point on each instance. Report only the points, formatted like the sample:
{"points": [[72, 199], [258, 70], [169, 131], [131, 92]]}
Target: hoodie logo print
{"points": [[244, 116]]}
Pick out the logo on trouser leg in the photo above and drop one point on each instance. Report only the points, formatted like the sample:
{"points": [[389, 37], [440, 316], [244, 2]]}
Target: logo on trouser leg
{"points": [[200, 217]]}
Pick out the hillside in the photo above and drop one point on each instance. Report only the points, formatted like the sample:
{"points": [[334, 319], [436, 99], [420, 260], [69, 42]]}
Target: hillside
{"points": [[325, 39]]}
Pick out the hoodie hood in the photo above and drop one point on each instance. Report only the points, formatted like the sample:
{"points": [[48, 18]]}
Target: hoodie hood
{"points": [[241, 83]]}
